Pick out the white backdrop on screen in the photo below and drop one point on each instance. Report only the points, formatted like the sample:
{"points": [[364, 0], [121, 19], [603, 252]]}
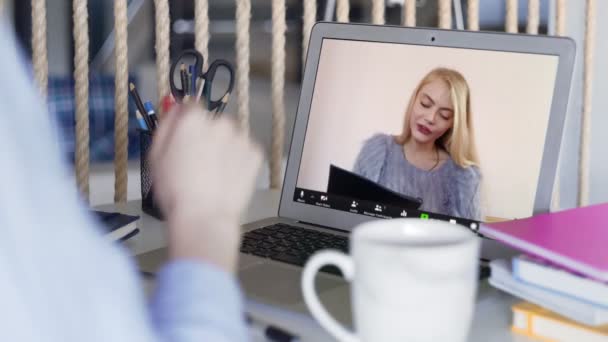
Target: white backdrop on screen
{"points": [[363, 88]]}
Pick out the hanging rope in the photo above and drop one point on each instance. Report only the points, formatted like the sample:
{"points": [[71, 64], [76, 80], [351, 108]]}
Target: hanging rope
{"points": [[201, 29], [533, 16], [163, 24], [121, 115], [342, 10], [409, 13], [279, 28], [378, 12], [39, 48], [560, 30], [81, 93], [560, 18], [473, 15], [583, 195], [310, 16], [445, 14], [511, 17], [243, 21]]}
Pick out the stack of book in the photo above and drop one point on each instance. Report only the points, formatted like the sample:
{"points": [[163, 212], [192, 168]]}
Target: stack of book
{"points": [[562, 275]]}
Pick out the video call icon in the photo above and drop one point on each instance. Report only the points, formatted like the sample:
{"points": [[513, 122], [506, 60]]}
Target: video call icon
{"points": [[424, 216], [323, 198]]}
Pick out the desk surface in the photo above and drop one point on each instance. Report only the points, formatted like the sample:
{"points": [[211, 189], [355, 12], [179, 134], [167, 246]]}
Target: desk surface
{"points": [[492, 312]]}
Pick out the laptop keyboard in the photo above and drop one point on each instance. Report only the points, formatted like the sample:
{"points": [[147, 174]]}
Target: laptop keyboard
{"points": [[291, 244], [294, 245]]}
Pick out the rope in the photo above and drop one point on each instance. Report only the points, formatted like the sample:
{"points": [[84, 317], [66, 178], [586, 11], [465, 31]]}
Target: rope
{"points": [[533, 16], [243, 21], [39, 48], [163, 24], [342, 10], [121, 116], [583, 195], [378, 12], [473, 15], [279, 28], [310, 16], [560, 18], [409, 13], [201, 29], [511, 17], [81, 93], [445, 14], [560, 30]]}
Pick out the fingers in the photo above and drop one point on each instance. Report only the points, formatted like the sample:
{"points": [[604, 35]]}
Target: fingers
{"points": [[163, 134]]}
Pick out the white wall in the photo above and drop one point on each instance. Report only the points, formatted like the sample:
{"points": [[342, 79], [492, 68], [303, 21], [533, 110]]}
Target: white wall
{"points": [[364, 88], [569, 157], [599, 131]]}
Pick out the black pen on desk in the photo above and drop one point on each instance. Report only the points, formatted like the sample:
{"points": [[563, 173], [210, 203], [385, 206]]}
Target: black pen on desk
{"points": [[140, 106], [270, 332]]}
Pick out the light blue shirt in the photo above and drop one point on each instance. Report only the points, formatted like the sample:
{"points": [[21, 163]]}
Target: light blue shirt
{"points": [[60, 279]]}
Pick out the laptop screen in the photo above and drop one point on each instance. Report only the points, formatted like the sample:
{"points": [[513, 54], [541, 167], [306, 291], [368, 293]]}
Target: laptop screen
{"points": [[398, 130]]}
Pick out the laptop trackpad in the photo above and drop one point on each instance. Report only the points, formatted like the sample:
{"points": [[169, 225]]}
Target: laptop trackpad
{"points": [[280, 285]]}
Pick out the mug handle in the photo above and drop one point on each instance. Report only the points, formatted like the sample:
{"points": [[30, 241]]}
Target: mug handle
{"points": [[318, 260]]}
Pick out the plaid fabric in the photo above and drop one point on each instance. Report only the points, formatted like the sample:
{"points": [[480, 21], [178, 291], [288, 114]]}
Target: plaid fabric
{"points": [[101, 117]]}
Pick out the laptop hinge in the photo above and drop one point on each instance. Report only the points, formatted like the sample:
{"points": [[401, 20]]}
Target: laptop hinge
{"points": [[324, 227]]}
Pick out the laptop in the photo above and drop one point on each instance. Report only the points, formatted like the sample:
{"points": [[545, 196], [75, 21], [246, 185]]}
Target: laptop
{"points": [[358, 84], [350, 186]]}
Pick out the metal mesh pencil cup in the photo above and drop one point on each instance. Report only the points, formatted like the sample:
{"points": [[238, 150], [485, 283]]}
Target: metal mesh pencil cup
{"points": [[148, 204]]}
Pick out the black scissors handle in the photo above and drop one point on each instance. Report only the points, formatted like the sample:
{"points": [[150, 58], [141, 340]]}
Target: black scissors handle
{"points": [[180, 93], [209, 77]]}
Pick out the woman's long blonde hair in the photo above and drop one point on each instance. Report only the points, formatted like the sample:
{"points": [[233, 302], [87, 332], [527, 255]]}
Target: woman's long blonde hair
{"points": [[458, 141]]}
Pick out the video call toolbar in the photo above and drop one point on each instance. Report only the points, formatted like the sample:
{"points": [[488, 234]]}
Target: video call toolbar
{"points": [[377, 210]]}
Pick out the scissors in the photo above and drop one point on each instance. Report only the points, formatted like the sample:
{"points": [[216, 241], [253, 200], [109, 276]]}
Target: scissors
{"points": [[207, 80]]}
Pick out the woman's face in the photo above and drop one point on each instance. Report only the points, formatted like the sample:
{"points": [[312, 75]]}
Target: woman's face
{"points": [[432, 113]]}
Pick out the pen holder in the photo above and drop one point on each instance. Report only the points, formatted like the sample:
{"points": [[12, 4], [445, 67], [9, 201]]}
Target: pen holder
{"points": [[148, 202]]}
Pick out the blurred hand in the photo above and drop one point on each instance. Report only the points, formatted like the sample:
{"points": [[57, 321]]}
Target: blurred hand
{"points": [[204, 172]]}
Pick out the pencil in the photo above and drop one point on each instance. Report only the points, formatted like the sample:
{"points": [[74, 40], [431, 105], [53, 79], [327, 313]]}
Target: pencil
{"points": [[140, 105]]}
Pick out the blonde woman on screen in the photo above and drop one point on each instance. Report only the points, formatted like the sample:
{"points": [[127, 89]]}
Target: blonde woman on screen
{"points": [[434, 158]]}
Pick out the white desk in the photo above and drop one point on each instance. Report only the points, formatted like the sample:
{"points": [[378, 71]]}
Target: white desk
{"points": [[492, 314]]}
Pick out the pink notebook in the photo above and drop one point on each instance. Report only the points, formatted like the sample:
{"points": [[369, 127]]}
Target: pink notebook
{"points": [[576, 239]]}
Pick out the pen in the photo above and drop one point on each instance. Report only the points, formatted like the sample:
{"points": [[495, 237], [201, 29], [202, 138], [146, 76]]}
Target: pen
{"points": [[270, 332], [183, 75], [140, 105], [141, 121], [151, 113], [193, 79]]}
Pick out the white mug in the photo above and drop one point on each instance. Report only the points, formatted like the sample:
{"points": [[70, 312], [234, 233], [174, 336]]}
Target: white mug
{"points": [[412, 280]]}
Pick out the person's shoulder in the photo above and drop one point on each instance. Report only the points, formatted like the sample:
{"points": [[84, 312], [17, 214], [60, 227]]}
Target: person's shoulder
{"points": [[380, 141]]}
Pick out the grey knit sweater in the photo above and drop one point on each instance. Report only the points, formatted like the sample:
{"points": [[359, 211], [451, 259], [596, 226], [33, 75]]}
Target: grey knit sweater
{"points": [[448, 189]]}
